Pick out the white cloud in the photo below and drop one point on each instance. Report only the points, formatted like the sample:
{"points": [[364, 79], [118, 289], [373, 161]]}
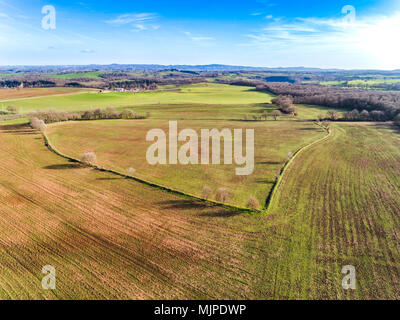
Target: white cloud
{"points": [[132, 18], [139, 27], [372, 38], [87, 51], [198, 38]]}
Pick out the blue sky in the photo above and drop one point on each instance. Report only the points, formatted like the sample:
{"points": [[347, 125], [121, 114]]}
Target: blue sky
{"points": [[268, 33]]}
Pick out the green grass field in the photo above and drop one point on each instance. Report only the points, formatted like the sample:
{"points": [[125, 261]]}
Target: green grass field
{"points": [[77, 75], [198, 94], [338, 204], [120, 144], [200, 101]]}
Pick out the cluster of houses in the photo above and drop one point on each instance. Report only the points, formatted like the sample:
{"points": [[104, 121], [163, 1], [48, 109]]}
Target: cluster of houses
{"points": [[127, 90]]}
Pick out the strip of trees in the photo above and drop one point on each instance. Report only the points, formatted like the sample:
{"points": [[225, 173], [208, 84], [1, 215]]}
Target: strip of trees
{"points": [[52, 116], [381, 105], [27, 84]]}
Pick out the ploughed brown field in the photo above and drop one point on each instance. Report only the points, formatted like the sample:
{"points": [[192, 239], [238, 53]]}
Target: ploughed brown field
{"points": [[109, 237], [113, 238], [8, 94]]}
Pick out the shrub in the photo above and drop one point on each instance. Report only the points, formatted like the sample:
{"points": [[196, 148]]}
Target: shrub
{"points": [[12, 109], [253, 203], [246, 117], [206, 192], [89, 158], [222, 195]]}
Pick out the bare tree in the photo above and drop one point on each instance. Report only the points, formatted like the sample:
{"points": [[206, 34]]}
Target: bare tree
{"points": [[130, 171], [364, 115], [332, 115], [276, 114], [253, 203], [206, 192], [37, 124], [89, 158], [222, 195], [128, 114]]}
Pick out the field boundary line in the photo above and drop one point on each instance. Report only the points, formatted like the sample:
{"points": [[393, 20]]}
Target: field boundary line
{"points": [[278, 180], [150, 184]]}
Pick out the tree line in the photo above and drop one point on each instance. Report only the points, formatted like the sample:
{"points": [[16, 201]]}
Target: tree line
{"points": [[382, 105], [51, 116]]}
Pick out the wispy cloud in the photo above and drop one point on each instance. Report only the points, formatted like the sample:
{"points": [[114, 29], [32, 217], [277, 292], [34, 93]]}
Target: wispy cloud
{"points": [[139, 27], [372, 36], [87, 51], [319, 30], [197, 37], [132, 18]]}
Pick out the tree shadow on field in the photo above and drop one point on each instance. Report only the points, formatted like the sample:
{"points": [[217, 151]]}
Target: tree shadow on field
{"points": [[222, 213], [183, 204], [309, 129], [269, 162], [64, 166], [264, 181], [107, 179], [17, 129], [189, 204]]}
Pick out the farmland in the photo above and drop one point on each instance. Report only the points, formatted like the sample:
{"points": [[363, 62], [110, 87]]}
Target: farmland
{"points": [[110, 237], [339, 205], [191, 94], [121, 144], [77, 75], [8, 95]]}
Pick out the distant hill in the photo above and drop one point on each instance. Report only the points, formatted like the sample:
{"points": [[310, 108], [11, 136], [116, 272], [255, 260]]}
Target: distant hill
{"points": [[157, 67]]}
